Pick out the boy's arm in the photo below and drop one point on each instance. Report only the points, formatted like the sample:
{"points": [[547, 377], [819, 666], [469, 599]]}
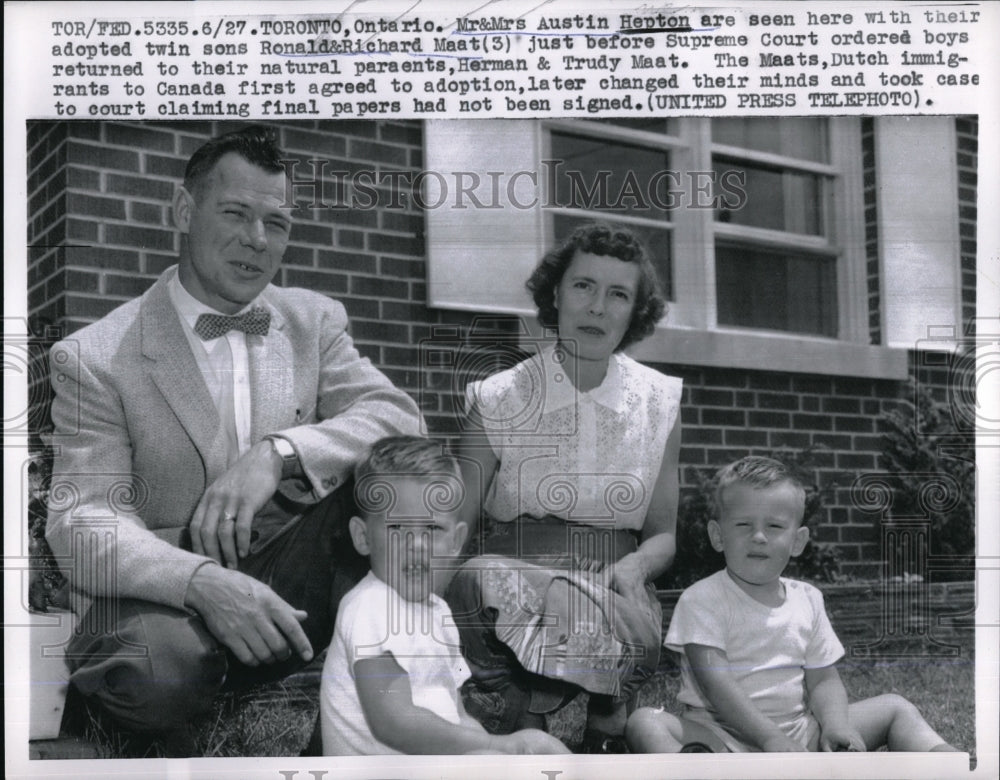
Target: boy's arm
{"points": [[387, 700], [828, 702], [710, 667], [525, 741]]}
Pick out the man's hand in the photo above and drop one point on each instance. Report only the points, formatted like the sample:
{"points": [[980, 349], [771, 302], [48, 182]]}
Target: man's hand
{"points": [[220, 527], [247, 616]]}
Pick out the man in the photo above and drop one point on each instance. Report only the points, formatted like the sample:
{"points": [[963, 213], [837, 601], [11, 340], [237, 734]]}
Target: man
{"points": [[201, 458]]}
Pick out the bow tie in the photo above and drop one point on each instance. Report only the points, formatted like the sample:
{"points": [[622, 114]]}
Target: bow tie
{"points": [[255, 322]]}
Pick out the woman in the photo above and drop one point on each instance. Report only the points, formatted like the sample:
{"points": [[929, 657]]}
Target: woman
{"points": [[573, 454]]}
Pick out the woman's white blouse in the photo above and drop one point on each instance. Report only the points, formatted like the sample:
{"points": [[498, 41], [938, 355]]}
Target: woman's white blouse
{"points": [[589, 457]]}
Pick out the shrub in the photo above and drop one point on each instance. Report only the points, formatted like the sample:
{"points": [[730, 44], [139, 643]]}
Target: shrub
{"points": [[931, 473], [46, 585]]}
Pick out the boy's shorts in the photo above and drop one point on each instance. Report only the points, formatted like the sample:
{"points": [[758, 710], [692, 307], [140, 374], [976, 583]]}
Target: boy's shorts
{"points": [[804, 730]]}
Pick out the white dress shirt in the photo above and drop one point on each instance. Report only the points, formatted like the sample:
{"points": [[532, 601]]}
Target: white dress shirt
{"points": [[590, 457], [224, 363]]}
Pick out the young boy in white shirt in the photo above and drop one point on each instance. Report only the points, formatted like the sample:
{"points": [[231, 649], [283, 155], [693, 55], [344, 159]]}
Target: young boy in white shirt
{"points": [[393, 671], [758, 650]]}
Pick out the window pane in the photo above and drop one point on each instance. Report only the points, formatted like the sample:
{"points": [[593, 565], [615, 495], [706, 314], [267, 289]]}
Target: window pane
{"points": [[800, 137], [657, 243], [775, 198], [776, 291], [610, 176]]}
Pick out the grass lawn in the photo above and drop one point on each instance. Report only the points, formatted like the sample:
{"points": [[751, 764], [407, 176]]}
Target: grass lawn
{"points": [[942, 688], [278, 720]]}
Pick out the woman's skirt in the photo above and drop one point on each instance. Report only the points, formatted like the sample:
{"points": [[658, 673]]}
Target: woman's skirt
{"points": [[538, 619]]}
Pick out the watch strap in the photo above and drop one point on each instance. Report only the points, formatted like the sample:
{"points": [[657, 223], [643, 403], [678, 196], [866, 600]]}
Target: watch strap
{"points": [[285, 451]]}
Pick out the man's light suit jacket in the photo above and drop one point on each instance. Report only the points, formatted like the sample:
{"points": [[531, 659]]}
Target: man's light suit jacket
{"points": [[137, 438]]}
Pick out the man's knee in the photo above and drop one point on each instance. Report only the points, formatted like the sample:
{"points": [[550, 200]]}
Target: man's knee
{"points": [[154, 670]]}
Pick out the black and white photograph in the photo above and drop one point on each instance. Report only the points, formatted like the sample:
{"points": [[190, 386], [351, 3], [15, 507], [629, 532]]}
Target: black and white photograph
{"points": [[526, 391]]}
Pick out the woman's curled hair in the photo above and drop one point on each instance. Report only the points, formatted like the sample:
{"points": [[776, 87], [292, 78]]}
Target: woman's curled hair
{"points": [[598, 239]]}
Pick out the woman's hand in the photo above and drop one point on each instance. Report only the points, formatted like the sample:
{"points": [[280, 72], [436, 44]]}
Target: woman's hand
{"points": [[628, 578]]}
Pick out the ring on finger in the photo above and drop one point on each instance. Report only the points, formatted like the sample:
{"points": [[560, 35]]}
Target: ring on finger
{"points": [[228, 517]]}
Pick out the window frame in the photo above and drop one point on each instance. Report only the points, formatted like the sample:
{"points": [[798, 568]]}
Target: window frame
{"points": [[508, 242], [669, 144], [691, 333], [692, 149]]}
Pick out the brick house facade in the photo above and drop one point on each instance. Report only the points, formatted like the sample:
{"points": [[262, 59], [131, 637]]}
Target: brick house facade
{"points": [[99, 233]]}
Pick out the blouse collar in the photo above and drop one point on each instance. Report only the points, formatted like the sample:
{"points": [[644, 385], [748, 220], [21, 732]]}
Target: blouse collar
{"points": [[560, 392]]}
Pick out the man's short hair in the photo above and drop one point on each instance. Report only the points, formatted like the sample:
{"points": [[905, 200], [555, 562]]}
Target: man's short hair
{"points": [[757, 472], [406, 456], [256, 144]]}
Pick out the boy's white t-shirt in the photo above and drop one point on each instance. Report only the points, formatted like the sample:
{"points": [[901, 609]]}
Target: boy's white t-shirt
{"points": [[374, 619], [768, 648]]}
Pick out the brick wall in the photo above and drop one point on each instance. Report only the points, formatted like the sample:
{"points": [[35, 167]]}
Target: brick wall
{"points": [[99, 233], [728, 414], [967, 137], [967, 130], [47, 232], [871, 230]]}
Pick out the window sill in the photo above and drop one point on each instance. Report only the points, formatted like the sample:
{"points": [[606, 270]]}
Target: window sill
{"points": [[771, 352]]}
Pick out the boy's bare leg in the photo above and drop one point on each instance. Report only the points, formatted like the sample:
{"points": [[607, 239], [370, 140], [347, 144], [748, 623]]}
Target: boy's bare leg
{"points": [[652, 730], [893, 721]]}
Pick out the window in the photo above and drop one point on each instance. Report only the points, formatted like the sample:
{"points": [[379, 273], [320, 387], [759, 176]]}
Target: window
{"points": [[774, 252], [613, 171], [755, 224], [775, 262]]}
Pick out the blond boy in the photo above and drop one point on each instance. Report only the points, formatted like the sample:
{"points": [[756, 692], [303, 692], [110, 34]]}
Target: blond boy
{"points": [[393, 670], [757, 650]]}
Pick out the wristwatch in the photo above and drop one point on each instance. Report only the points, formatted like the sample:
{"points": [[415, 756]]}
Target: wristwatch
{"points": [[285, 451]]}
